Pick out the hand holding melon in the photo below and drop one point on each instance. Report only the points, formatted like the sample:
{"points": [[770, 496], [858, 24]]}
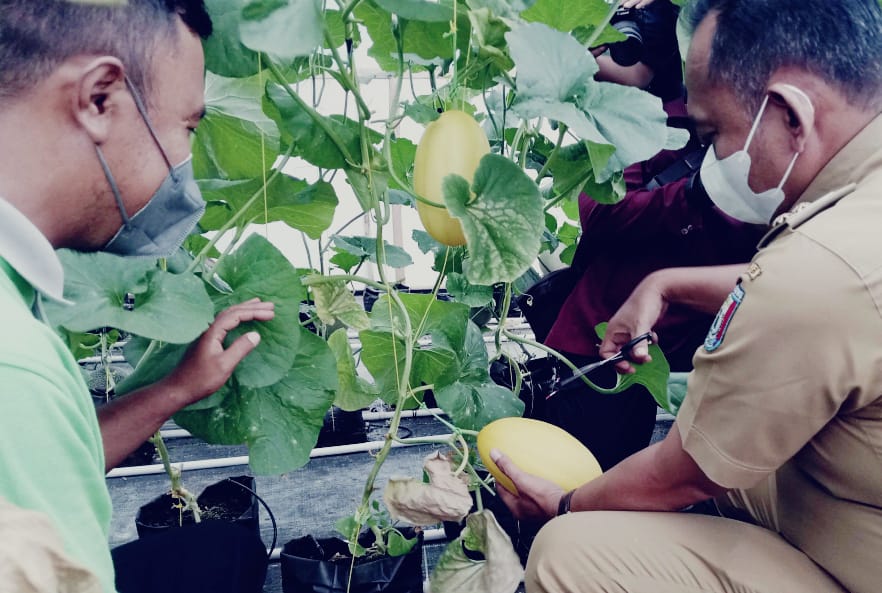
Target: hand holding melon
{"points": [[538, 448]]}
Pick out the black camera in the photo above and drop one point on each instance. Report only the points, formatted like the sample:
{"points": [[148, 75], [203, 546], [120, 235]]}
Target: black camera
{"points": [[627, 21]]}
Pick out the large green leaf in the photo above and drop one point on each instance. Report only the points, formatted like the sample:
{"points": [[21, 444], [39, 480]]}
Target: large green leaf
{"points": [[426, 40], [499, 571], [418, 10], [502, 224], [224, 52], [311, 141], [384, 350], [280, 423], [469, 396], [354, 392], [258, 269], [383, 355], [169, 307], [282, 29], [566, 15], [236, 140], [555, 79], [307, 208]]}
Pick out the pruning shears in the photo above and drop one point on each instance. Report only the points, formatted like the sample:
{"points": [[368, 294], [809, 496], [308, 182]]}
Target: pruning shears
{"points": [[623, 354]]}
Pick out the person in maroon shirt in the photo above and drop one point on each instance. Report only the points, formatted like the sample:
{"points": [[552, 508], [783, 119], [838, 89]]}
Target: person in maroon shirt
{"points": [[655, 227]]}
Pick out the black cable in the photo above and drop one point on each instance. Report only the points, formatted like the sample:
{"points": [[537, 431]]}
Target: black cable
{"points": [[268, 512]]}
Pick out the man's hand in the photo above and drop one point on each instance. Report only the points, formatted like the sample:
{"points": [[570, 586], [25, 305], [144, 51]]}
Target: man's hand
{"points": [[536, 499], [207, 364], [128, 421], [636, 3], [637, 315]]}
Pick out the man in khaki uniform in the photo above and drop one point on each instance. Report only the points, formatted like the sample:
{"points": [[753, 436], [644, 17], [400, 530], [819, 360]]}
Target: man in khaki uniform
{"points": [[782, 422]]}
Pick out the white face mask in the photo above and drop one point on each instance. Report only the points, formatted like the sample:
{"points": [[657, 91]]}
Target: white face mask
{"points": [[726, 182]]}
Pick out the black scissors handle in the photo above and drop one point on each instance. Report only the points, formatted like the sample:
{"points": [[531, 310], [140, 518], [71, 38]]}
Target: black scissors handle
{"points": [[623, 354]]}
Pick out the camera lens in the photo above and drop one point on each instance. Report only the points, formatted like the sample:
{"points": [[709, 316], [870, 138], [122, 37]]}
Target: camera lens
{"points": [[628, 52]]}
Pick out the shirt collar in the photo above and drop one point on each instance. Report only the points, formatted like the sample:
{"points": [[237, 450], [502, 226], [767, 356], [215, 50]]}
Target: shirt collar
{"points": [[851, 164], [29, 253]]}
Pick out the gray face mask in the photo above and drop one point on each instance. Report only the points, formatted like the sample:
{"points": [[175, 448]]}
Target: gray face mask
{"points": [[159, 228]]}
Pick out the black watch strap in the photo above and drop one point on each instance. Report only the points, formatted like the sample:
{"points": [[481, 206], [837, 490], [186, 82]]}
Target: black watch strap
{"points": [[563, 507]]}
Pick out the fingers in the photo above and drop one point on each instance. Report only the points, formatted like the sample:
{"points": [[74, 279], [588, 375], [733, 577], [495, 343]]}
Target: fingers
{"points": [[636, 3], [240, 348], [506, 465]]}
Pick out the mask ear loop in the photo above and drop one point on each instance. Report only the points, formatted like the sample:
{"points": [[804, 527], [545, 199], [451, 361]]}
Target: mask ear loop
{"points": [[142, 109], [113, 187], [756, 123]]}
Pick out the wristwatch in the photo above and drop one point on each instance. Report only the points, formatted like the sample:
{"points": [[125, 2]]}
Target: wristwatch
{"points": [[563, 507]]}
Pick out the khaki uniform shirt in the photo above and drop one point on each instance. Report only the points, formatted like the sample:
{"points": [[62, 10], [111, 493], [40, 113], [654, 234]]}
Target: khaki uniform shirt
{"points": [[785, 402]]}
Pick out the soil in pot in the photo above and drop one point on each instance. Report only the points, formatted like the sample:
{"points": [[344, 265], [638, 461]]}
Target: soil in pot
{"points": [[222, 501], [322, 565], [143, 455]]}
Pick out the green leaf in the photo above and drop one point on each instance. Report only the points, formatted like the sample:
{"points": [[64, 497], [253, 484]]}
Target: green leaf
{"points": [[502, 224], [499, 572], [403, 153], [469, 396], [258, 269], [653, 375], [366, 247], [447, 259], [398, 545], [566, 15], [169, 307], [417, 10], [426, 40], [334, 301], [354, 392], [224, 52], [236, 140], [312, 142], [345, 260], [307, 208], [283, 30], [162, 362], [472, 295], [555, 79], [383, 347], [280, 423], [676, 393]]}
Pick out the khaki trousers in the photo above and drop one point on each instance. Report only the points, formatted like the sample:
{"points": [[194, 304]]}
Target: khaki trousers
{"points": [[646, 552]]}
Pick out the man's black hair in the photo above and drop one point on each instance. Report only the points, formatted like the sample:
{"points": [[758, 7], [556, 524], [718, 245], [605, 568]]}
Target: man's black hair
{"points": [[36, 36], [837, 40]]}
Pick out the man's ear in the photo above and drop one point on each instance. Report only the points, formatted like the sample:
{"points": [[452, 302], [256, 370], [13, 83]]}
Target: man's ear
{"points": [[800, 112], [100, 89]]}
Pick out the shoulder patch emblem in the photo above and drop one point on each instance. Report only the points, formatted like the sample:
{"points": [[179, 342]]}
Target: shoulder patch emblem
{"points": [[723, 319]]}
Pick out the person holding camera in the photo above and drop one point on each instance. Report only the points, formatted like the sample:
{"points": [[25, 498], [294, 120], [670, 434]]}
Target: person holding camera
{"points": [[648, 57]]}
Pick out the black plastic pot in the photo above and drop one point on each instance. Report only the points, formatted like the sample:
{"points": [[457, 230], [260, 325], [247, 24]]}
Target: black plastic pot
{"points": [[311, 565], [226, 500], [342, 428]]}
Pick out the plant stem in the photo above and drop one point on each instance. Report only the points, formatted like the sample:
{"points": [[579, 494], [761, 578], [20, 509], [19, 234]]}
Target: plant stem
{"points": [[347, 75], [561, 132], [347, 10], [554, 353], [174, 475]]}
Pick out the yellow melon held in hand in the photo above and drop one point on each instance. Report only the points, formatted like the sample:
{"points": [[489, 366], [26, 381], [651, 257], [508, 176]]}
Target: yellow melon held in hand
{"points": [[538, 448]]}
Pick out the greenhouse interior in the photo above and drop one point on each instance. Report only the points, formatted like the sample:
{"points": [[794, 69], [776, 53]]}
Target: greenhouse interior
{"points": [[448, 296]]}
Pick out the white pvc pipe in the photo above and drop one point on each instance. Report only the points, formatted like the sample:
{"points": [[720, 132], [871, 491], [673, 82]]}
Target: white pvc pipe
{"points": [[180, 433], [158, 468]]}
